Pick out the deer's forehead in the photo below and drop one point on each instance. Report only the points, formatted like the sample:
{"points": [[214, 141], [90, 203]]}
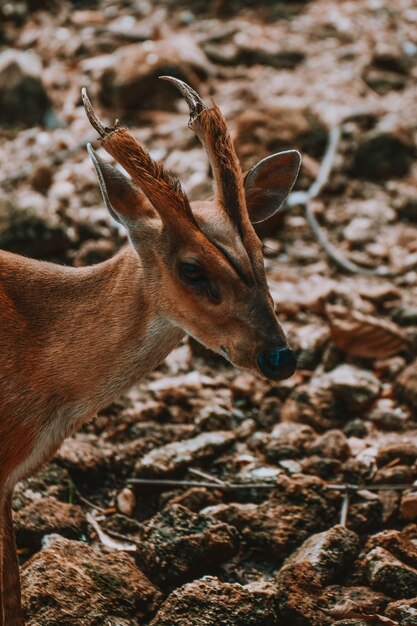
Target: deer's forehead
{"points": [[224, 235]]}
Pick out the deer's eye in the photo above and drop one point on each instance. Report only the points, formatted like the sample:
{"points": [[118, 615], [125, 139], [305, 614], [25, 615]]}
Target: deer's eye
{"points": [[193, 274]]}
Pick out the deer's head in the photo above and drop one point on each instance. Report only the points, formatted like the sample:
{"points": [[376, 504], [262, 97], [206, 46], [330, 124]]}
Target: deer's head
{"points": [[208, 257]]}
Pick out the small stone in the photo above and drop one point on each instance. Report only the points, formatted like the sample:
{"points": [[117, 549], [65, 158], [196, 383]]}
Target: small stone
{"points": [[408, 506], [177, 545], [174, 457], [354, 386], [364, 599], [387, 574], [332, 444], [381, 156], [85, 587], [399, 544], [23, 99], [404, 611], [330, 553], [356, 428], [288, 441], [405, 451], [126, 501], [83, 458], [211, 602], [406, 385], [45, 516], [388, 416]]}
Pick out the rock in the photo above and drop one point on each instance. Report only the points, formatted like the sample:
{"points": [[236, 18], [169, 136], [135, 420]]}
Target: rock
{"points": [[23, 99], [84, 459], [332, 444], [298, 587], [331, 398], [130, 82], [288, 441], [70, 583], [278, 525], [387, 574], [381, 156], [260, 133], [399, 544], [174, 457], [404, 611], [366, 513], [353, 386], [364, 599], [406, 385], [403, 450], [395, 475], [408, 506], [356, 428], [309, 343], [50, 480], [28, 227], [177, 545], [330, 553], [46, 516], [388, 416], [406, 315], [211, 602]]}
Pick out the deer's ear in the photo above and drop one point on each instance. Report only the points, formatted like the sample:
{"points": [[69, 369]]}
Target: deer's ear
{"points": [[269, 182], [123, 199]]}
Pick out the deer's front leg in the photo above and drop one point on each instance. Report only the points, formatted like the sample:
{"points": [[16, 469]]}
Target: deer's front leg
{"points": [[10, 604]]}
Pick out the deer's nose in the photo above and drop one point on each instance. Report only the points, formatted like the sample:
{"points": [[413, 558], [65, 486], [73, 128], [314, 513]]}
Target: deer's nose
{"points": [[278, 363]]}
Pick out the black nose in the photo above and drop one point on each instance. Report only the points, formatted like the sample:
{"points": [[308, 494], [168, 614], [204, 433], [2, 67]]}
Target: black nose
{"points": [[277, 363]]}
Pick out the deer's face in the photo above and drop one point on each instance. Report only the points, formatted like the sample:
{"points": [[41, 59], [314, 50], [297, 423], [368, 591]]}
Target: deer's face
{"points": [[209, 258], [219, 295]]}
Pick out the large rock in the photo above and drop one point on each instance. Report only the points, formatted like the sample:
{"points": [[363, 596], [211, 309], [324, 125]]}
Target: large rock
{"points": [[177, 545], [211, 602], [70, 583], [381, 156], [46, 516], [131, 83], [23, 99], [176, 456], [330, 553]]}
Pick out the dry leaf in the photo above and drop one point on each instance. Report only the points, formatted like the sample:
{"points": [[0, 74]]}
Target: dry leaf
{"points": [[349, 610], [363, 335]]}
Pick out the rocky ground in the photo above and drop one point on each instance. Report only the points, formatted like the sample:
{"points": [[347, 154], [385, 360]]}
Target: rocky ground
{"points": [[255, 504]]}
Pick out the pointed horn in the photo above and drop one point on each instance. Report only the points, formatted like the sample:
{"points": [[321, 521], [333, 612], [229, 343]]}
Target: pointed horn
{"points": [[210, 127], [93, 118], [195, 103], [162, 189]]}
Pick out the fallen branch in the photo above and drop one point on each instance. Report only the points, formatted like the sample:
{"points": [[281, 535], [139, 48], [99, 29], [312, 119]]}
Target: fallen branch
{"points": [[305, 198]]}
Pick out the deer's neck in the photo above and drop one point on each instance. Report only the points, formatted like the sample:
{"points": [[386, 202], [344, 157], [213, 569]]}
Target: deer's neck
{"points": [[121, 325], [90, 333]]}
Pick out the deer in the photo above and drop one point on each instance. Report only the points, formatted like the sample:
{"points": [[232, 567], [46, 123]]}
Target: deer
{"points": [[73, 340]]}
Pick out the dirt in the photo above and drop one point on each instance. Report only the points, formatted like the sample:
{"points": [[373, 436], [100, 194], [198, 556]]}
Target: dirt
{"points": [[298, 506]]}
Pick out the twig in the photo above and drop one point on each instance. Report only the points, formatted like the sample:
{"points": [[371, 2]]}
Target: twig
{"points": [[224, 486], [162, 482], [345, 508], [207, 476], [304, 198]]}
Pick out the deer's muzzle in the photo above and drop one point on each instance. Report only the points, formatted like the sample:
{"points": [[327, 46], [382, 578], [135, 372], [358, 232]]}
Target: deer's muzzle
{"points": [[277, 363]]}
